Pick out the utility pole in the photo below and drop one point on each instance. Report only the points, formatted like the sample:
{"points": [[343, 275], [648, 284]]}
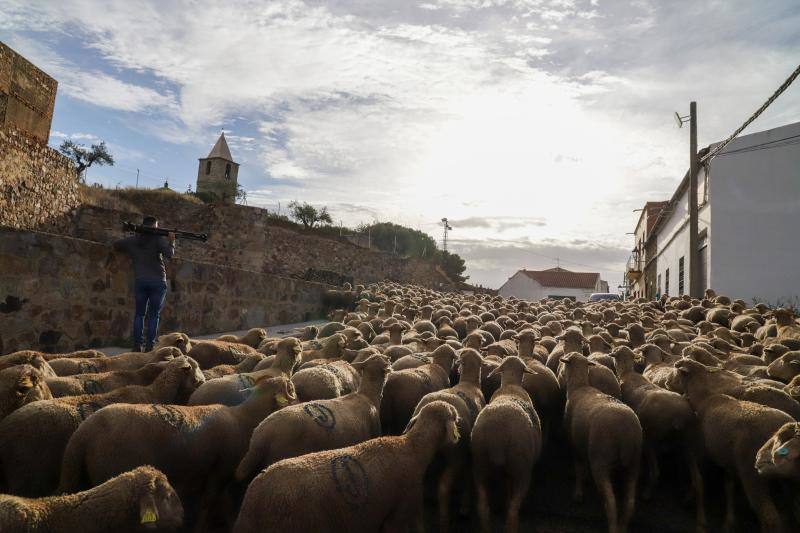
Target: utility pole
{"points": [[137, 178], [694, 263], [446, 228]]}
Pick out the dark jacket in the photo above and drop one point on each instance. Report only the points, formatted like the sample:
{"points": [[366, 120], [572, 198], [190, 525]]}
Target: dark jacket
{"points": [[147, 252]]}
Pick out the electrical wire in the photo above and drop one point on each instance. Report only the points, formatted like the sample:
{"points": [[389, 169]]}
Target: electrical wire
{"points": [[785, 85]]}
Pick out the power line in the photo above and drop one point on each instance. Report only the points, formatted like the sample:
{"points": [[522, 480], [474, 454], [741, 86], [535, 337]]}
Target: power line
{"points": [[786, 141], [785, 85]]}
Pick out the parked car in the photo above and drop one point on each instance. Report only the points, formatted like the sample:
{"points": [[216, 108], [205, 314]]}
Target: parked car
{"points": [[604, 296]]}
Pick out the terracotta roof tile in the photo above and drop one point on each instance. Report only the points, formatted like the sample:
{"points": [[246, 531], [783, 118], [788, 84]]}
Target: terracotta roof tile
{"points": [[560, 277]]}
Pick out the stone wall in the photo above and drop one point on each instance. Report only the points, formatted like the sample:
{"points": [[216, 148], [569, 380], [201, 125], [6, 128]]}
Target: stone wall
{"points": [[62, 293], [247, 237], [27, 95], [37, 184]]}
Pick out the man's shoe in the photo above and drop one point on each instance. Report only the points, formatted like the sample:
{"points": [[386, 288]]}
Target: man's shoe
{"points": [[137, 347], [148, 348]]}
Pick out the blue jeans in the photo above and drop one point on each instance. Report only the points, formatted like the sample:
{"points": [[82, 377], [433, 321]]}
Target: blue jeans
{"points": [[150, 295]]}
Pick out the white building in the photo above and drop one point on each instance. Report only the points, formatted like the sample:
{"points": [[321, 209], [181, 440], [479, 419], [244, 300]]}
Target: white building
{"points": [[552, 283], [749, 218]]}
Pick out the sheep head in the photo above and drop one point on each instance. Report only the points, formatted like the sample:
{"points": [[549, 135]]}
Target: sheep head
{"points": [[785, 367], [159, 504], [280, 390], [20, 385], [374, 364], [512, 366], [780, 455], [178, 340], [437, 415]]}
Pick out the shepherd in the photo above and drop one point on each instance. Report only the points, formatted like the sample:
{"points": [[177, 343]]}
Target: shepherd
{"points": [[148, 252]]}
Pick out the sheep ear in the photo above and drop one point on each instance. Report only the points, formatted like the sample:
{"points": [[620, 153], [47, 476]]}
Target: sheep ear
{"points": [[796, 362], [496, 370], [148, 512], [411, 423]]}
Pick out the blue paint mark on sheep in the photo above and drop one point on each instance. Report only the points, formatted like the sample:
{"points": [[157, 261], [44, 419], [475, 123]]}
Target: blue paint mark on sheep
{"points": [[170, 415], [336, 372], [85, 367], [420, 357], [92, 386], [320, 414], [471, 405], [85, 409], [351, 479], [525, 406]]}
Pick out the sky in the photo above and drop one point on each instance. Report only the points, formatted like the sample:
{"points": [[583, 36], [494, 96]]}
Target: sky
{"points": [[536, 127]]}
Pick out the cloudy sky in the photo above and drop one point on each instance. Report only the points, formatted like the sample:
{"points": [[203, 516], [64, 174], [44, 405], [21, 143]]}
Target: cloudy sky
{"points": [[535, 126]]}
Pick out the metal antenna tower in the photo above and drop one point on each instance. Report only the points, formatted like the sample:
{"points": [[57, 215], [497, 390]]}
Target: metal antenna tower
{"points": [[445, 228]]}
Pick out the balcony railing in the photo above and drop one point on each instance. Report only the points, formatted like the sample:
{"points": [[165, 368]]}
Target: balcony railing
{"points": [[633, 269]]}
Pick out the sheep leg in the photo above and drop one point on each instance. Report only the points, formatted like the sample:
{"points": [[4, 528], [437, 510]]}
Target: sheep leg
{"points": [[482, 495], [465, 491], [699, 493], [629, 504], [518, 490], [758, 494], [445, 488], [580, 477], [652, 472], [602, 481], [730, 512]]}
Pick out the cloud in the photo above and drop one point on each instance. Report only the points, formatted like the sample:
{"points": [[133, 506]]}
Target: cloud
{"points": [[482, 111], [500, 224]]}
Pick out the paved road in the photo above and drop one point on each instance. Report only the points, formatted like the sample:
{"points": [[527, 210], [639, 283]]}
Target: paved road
{"points": [[283, 330]]}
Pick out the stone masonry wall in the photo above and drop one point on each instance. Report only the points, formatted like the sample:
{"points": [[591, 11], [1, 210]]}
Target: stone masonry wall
{"points": [[61, 293], [246, 237], [27, 95], [37, 184]]}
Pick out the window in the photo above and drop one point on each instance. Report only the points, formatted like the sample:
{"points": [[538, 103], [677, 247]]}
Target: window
{"points": [[208, 168], [228, 171], [659, 284], [666, 282], [680, 276]]}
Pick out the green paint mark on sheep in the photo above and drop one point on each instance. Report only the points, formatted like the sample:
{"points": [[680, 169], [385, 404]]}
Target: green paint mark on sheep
{"points": [[170, 415], [85, 367], [245, 382], [471, 406], [85, 409], [351, 479], [91, 386], [534, 418], [425, 377], [320, 414]]}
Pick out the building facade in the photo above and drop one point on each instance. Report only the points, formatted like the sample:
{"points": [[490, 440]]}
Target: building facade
{"points": [[553, 283], [748, 215], [637, 286], [218, 173], [27, 95]]}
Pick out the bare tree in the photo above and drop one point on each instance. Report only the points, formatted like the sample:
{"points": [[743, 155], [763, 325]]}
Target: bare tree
{"points": [[85, 157]]}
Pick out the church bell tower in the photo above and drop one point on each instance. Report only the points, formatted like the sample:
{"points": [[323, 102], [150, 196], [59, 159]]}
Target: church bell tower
{"points": [[216, 177]]}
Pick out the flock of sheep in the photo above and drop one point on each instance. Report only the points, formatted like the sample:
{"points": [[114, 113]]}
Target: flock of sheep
{"points": [[338, 429]]}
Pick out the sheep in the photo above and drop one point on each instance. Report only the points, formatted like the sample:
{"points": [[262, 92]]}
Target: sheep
{"points": [[253, 338], [329, 329], [247, 365], [406, 387], [507, 435], [332, 348], [606, 434], [209, 354], [793, 388], [733, 431], [466, 397], [785, 367], [141, 498], [125, 361], [21, 385], [235, 388], [198, 448], [666, 418], [778, 457], [78, 384], [179, 340], [571, 341], [659, 369], [325, 381], [788, 328], [413, 360], [33, 438], [320, 425], [372, 486], [26, 356]]}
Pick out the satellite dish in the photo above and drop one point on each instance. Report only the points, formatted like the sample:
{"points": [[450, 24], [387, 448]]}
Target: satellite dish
{"points": [[678, 119]]}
